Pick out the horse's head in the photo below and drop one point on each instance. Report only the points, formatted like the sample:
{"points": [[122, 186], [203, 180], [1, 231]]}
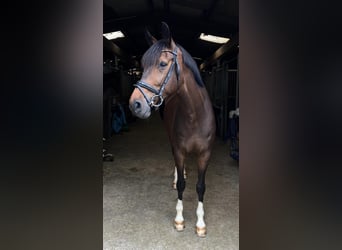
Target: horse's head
{"points": [[161, 64]]}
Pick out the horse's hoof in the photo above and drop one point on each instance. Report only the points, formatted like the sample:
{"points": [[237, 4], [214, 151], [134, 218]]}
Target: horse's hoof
{"points": [[174, 185], [179, 226], [201, 231]]}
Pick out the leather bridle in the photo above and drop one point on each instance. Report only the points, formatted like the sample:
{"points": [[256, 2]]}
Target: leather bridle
{"points": [[157, 99]]}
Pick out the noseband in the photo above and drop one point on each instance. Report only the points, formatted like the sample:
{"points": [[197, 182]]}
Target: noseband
{"points": [[158, 94]]}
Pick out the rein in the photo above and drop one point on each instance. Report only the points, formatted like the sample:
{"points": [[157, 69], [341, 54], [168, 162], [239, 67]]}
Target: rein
{"points": [[158, 94]]}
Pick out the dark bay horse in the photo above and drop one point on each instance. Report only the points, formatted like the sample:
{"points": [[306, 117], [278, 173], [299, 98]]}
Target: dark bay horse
{"points": [[172, 77]]}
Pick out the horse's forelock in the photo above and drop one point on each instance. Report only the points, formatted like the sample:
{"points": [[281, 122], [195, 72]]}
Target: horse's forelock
{"points": [[151, 56]]}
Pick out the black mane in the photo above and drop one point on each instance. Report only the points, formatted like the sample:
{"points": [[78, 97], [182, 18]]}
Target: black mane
{"points": [[150, 59]]}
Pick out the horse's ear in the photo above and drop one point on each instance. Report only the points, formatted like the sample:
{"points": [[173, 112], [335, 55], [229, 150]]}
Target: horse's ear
{"points": [[166, 34], [149, 38]]}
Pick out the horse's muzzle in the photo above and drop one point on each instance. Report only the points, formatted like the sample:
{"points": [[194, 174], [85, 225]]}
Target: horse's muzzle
{"points": [[139, 108]]}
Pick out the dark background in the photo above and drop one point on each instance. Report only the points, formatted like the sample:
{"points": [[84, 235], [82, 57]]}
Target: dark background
{"points": [[290, 125], [187, 19]]}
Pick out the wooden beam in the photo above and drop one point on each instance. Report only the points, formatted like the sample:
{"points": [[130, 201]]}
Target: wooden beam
{"points": [[234, 41]]}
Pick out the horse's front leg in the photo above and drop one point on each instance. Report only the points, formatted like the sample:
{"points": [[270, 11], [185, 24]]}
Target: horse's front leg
{"points": [[180, 184], [174, 184], [201, 229]]}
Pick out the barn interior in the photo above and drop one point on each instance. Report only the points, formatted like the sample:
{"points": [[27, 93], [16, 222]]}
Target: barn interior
{"points": [[187, 20], [139, 202]]}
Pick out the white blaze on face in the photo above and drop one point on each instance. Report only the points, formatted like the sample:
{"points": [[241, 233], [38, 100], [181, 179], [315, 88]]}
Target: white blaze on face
{"points": [[200, 215]]}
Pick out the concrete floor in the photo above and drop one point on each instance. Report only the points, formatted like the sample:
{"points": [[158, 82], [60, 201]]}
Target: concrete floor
{"points": [[139, 204]]}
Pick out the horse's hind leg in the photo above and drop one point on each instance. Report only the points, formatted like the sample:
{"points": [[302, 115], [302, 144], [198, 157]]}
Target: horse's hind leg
{"points": [[200, 188], [179, 220]]}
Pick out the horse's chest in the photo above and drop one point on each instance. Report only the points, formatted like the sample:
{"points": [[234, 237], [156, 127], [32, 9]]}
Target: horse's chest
{"points": [[187, 142]]}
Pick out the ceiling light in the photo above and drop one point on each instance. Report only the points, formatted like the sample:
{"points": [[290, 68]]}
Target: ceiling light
{"points": [[114, 35], [213, 39]]}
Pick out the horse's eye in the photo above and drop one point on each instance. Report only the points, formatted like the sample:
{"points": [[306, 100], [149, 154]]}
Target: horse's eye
{"points": [[162, 64]]}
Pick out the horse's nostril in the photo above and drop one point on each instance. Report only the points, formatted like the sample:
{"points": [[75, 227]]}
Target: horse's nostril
{"points": [[137, 105]]}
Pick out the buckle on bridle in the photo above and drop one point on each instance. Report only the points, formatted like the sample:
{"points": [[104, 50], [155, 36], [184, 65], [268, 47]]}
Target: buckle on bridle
{"points": [[153, 103]]}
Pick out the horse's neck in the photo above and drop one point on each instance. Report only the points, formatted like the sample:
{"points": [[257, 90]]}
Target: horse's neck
{"points": [[192, 98], [188, 103]]}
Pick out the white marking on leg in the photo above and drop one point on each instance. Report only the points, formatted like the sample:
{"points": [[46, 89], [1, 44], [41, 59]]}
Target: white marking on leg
{"points": [[200, 225], [179, 209], [200, 216], [179, 220]]}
